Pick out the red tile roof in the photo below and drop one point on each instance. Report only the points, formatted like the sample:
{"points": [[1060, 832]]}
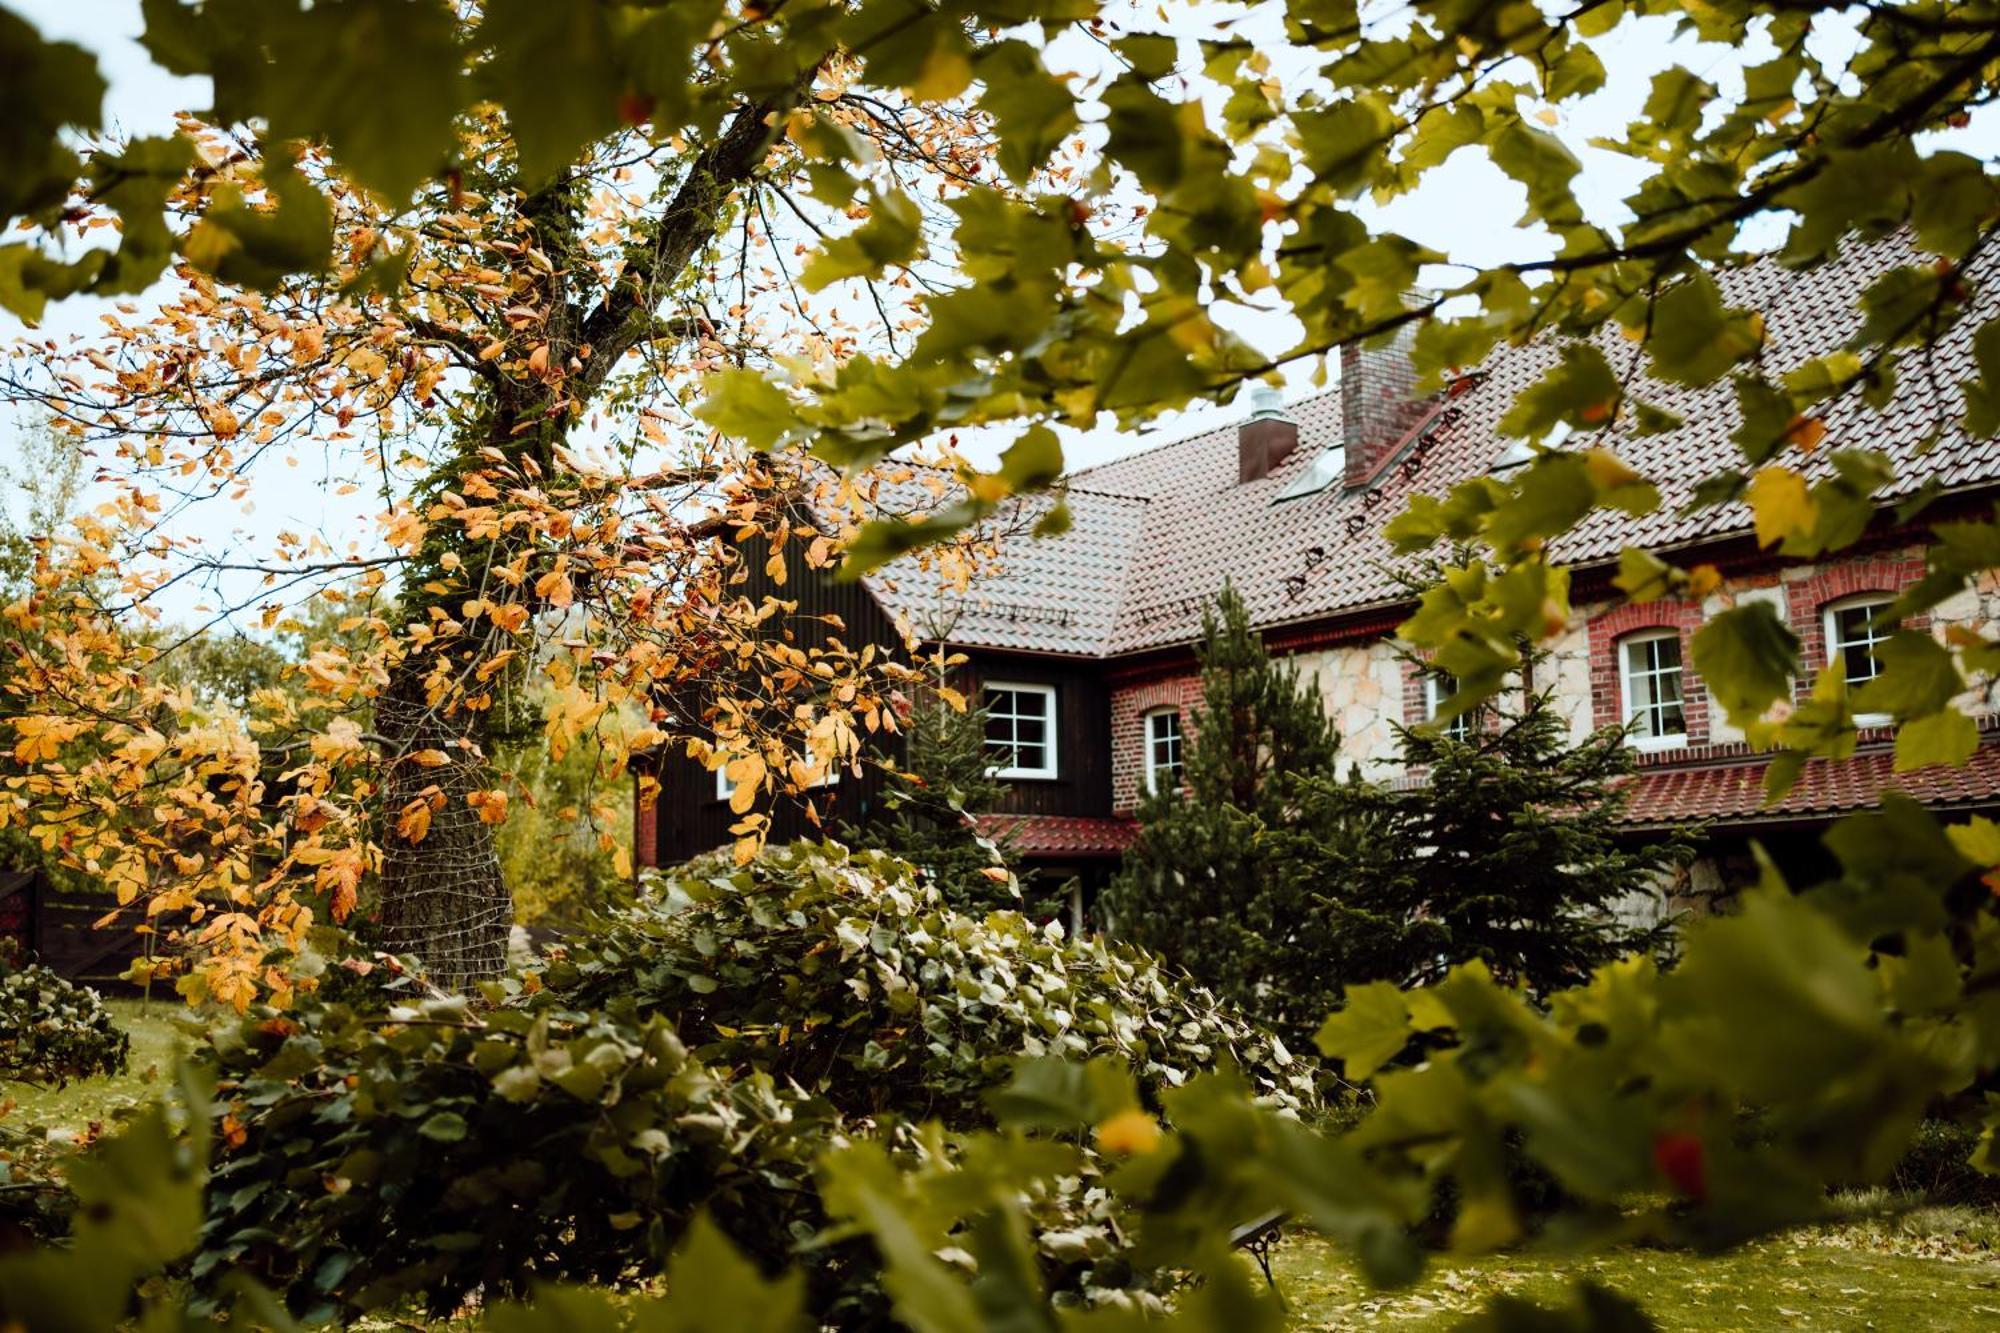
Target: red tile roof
{"points": [[1060, 835], [1157, 532], [1734, 793]]}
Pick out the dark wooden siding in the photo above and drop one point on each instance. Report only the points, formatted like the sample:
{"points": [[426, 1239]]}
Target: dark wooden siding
{"points": [[58, 927], [692, 819], [1082, 785]]}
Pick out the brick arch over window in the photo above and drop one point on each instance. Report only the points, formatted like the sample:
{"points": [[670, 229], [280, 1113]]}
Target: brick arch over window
{"points": [[1129, 706], [1608, 633], [1808, 597]]}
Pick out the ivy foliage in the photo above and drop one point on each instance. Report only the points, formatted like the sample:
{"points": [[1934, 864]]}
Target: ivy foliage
{"points": [[417, 1155], [53, 1030], [849, 975], [699, 1054]]}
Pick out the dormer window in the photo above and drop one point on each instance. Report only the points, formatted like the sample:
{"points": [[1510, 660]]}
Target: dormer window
{"points": [[1330, 466]]}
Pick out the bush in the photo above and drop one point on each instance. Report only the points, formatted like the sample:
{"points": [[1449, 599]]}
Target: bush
{"points": [[364, 1162], [52, 1030], [1939, 1166], [567, 1133], [849, 974]]}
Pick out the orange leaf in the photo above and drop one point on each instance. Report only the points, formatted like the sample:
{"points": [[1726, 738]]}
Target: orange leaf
{"points": [[414, 823]]}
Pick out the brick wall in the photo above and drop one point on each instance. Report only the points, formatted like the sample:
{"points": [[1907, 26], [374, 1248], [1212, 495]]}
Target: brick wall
{"points": [[1801, 595], [1378, 401], [1807, 596], [1129, 706], [1610, 628]]}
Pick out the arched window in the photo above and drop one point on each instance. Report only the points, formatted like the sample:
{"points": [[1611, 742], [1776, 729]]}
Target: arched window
{"points": [[1650, 670], [1854, 628], [1163, 749]]}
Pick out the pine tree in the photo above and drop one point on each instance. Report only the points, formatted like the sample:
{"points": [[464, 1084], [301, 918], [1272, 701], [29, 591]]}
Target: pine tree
{"points": [[945, 778], [1510, 850], [1196, 885]]}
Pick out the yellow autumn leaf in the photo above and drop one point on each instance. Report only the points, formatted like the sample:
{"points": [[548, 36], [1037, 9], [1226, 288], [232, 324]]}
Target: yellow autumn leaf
{"points": [[1780, 504], [554, 588], [491, 805], [746, 776], [414, 823], [1128, 1133]]}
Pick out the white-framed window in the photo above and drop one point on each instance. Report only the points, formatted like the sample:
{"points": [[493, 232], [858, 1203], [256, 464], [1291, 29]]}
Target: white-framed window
{"points": [[1163, 749], [1021, 729], [1854, 626], [1650, 665], [1438, 687]]}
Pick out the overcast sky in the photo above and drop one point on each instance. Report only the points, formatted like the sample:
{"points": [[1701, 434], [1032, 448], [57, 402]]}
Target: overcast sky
{"points": [[1467, 209]]}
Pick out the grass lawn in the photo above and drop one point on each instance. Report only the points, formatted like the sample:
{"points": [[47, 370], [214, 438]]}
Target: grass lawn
{"points": [[156, 1034], [1936, 1268]]}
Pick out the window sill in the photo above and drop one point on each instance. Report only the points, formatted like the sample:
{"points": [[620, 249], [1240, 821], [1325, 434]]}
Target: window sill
{"points": [[1024, 774], [1655, 744]]}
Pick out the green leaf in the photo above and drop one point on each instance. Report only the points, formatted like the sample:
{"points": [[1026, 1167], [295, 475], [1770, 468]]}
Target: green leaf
{"points": [[1918, 677], [1368, 1031], [552, 67], [444, 1127], [1692, 338], [1032, 461], [882, 540], [1052, 1093], [892, 235], [260, 246], [1643, 576], [1949, 737], [1582, 391], [47, 86], [1747, 657], [744, 405], [1032, 110], [711, 1286], [387, 84]]}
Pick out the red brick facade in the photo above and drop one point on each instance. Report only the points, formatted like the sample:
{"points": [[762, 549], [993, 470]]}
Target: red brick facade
{"points": [[1607, 685], [1129, 706], [1807, 599]]}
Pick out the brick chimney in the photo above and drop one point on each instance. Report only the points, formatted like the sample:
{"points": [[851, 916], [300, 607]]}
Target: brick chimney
{"points": [[1379, 404], [1267, 438]]}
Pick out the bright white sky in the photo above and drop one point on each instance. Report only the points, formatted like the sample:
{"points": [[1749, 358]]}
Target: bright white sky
{"points": [[1466, 209]]}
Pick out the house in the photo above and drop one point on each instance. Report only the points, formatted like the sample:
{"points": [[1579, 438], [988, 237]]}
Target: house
{"points": [[1082, 647]]}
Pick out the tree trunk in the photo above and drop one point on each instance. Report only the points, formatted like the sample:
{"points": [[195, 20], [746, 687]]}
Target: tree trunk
{"points": [[443, 898]]}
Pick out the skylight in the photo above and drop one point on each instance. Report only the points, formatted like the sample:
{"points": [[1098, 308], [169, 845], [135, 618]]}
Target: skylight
{"points": [[1522, 452], [1329, 467]]}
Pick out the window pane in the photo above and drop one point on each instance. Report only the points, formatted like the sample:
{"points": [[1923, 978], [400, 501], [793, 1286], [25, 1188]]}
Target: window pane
{"points": [[1653, 687], [1856, 631]]}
